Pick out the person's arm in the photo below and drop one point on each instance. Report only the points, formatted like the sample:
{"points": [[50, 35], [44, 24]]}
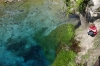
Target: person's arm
{"points": [[94, 30], [90, 29]]}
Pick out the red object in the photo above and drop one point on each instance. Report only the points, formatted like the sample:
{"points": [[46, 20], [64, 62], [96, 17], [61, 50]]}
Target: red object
{"points": [[93, 28]]}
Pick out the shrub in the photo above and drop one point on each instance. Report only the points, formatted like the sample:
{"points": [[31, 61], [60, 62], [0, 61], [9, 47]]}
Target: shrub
{"points": [[65, 58]]}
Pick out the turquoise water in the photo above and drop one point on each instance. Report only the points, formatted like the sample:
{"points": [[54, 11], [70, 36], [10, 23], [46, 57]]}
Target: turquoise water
{"points": [[19, 22]]}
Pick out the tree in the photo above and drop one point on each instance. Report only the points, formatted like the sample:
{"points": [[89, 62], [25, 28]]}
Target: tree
{"points": [[79, 6]]}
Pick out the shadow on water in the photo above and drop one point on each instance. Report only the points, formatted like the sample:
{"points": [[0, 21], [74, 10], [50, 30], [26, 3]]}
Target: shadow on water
{"points": [[89, 19], [33, 53], [36, 53], [77, 17], [78, 25]]}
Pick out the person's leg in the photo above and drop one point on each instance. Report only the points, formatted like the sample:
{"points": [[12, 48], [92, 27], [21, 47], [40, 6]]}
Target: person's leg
{"points": [[91, 33], [88, 33]]}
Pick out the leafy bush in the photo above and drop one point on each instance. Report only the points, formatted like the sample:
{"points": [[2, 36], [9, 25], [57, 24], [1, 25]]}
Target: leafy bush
{"points": [[78, 5], [65, 58], [81, 5]]}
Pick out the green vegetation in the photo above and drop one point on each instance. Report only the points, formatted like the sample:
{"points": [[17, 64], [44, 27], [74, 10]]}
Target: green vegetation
{"points": [[69, 6], [85, 56], [63, 33], [61, 36], [65, 58], [78, 5]]}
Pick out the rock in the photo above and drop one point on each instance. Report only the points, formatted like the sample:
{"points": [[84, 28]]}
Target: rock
{"points": [[8, 1], [19, 0], [96, 4]]}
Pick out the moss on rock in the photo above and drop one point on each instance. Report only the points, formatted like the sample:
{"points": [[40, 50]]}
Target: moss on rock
{"points": [[63, 33]]}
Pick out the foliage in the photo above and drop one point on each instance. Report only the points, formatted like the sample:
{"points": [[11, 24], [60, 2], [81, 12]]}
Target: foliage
{"points": [[65, 58], [79, 6], [69, 6], [85, 56], [63, 33]]}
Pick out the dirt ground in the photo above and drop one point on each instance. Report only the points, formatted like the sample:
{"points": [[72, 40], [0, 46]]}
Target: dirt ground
{"points": [[87, 44]]}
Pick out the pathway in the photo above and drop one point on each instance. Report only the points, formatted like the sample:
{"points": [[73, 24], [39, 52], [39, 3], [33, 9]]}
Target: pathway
{"points": [[86, 41]]}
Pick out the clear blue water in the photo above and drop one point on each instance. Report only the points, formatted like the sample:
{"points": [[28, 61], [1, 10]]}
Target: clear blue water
{"points": [[18, 26]]}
